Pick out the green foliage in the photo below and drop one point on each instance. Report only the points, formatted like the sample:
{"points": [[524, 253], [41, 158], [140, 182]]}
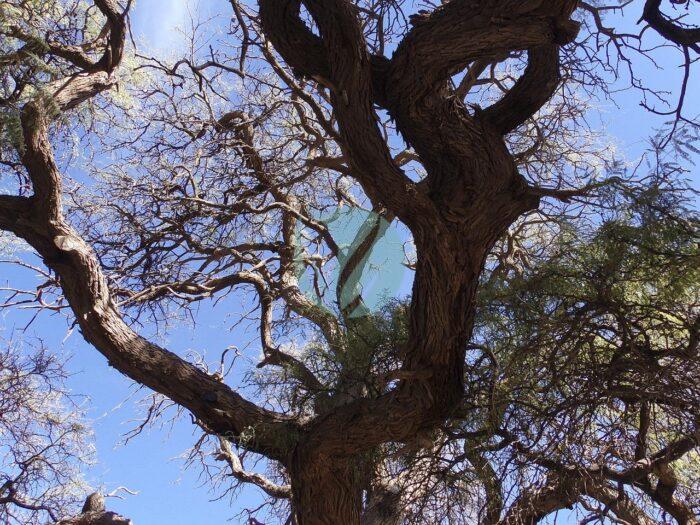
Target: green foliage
{"points": [[640, 266], [10, 128], [587, 330]]}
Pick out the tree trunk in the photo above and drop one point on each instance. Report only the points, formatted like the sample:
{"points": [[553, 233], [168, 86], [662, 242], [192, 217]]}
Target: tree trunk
{"points": [[327, 491]]}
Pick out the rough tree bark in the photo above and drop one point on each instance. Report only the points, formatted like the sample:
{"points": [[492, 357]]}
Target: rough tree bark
{"points": [[471, 194]]}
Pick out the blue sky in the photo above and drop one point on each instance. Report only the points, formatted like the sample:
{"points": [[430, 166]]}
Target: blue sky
{"points": [[169, 494]]}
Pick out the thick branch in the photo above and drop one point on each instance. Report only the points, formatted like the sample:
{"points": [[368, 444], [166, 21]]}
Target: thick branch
{"points": [[349, 77], [39, 221], [459, 32], [559, 492], [619, 503], [85, 287], [683, 36], [563, 490], [11, 209], [76, 55], [530, 92], [69, 92], [300, 48]]}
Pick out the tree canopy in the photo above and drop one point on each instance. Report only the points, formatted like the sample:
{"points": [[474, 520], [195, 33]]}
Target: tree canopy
{"points": [[546, 355]]}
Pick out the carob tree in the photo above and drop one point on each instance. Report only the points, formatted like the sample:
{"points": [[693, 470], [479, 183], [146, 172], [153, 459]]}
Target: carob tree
{"points": [[408, 414]]}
